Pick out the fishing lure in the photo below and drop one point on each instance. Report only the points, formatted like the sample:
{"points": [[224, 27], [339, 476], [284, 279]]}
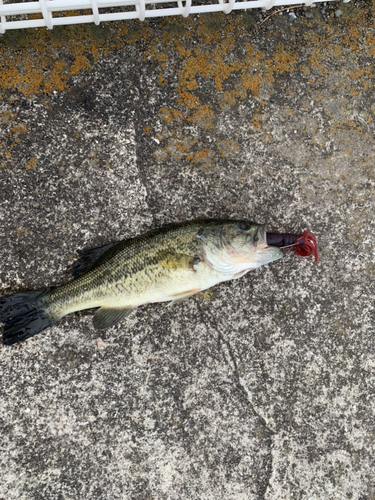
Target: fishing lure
{"points": [[304, 244]]}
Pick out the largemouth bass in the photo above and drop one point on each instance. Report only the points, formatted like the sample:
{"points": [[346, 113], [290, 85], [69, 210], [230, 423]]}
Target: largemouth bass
{"points": [[168, 264]]}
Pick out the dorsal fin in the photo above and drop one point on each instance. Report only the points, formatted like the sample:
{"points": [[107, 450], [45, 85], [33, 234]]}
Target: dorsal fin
{"points": [[90, 259]]}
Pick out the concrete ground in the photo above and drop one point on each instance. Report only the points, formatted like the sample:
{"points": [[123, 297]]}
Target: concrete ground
{"points": [[267, 391]]}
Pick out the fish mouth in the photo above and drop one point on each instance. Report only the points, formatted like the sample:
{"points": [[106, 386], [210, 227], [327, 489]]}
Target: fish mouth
{"points": [[262, 236], [259, 238], [261, 252]]}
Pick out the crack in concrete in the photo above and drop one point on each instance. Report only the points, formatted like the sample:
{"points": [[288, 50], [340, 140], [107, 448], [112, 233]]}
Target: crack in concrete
{"points": [[232, 362], [143, 179], [143, 175], [245, 396], [141, 160]]}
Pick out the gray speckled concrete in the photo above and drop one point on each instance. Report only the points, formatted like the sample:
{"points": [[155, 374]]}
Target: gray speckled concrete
{"points": [[266, 392]]}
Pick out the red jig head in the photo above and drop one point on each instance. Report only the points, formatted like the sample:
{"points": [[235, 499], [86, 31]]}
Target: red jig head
{"points": [[304, 244]]}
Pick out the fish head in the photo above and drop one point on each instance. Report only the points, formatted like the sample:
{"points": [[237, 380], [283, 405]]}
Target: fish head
{"points": [[235, 247]]}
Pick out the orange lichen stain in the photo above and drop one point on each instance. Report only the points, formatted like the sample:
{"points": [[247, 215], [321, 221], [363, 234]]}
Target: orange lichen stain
{"points": [[283, 61], [266, 138], [196, 65], [191, 84], [36, 66], [251, 83], [257, 121], [20, 231], [161, 80], [316, 61], [147, 129], [363, 76], [24, 75], [228, 100], [31, 164], [58, 78], [181, 49], [176, 149], [19, 129], [335, 50], [370, 42], [215, 65], [202, 157], [6, 117], [222, 72], [355, 75], [200, 50], [162, 59], [95, 159], [80, 63], [317, 97], [8, 76], [203, 117], [209, 65], [15, 134], [188, 99], [289, 112], [168, 115], [228, 148]]}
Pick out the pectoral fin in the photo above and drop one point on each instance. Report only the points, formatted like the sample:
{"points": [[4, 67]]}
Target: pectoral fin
{"points": [[105, 317], [178, 261]]}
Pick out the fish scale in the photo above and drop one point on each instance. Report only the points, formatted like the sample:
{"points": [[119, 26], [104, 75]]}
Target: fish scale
{"points": [[124, 268]]}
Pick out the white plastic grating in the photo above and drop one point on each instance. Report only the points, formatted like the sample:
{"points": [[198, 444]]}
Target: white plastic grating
{"points": [[17, 15]]}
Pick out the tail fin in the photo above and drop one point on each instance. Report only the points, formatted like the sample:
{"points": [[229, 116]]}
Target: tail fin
{"points": [[23, 315]]}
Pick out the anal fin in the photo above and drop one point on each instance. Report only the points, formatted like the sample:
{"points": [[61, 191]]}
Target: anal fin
{"points": [[106, 317]]}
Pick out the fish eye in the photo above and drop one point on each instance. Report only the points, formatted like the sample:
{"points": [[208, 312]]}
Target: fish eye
{"points": [[244, 226]]}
